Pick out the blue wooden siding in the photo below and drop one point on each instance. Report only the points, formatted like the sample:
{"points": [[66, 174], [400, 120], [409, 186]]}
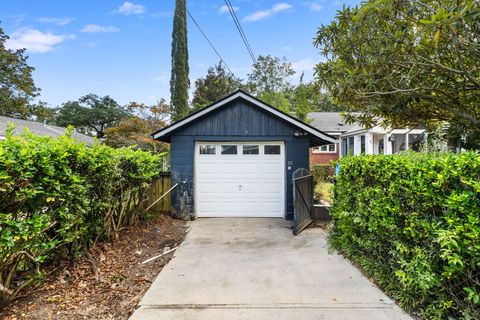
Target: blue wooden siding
{"points": [[239, 121]]}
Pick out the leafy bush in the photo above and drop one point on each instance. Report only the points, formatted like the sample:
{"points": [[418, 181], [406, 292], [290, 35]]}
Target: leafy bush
{"points": [[321, 178], [412, 222], [58, 196], [321, 172]]}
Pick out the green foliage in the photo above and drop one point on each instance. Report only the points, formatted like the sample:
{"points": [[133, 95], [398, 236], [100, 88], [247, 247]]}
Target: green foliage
{"points": [[58, 196], [91, 114], [412, 222], [134, 131], [17, 88], [321, 172], [322, 189], [216, 84], [270, 74], [179, 81], [409, 62]]}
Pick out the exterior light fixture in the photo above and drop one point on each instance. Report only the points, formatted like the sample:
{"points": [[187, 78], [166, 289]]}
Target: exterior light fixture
{"points": [[300, 133]]}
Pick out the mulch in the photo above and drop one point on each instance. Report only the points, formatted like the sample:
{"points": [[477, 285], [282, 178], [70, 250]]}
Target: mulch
{"points": [[72, 290]]}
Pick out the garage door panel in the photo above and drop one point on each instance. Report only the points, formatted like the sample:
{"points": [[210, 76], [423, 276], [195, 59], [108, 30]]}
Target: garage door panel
{"points": [[272, 187], [207, 206], [209, 188], [226, 168], [240, 185], [252, 168], [206, 168]]}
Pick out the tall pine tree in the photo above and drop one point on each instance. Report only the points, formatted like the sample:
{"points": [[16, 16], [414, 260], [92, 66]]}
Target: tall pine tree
{"points": [[179, 82]]}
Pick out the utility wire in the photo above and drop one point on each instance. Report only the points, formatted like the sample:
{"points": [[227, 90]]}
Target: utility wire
{"points": [[211, 44], [240, 29]]}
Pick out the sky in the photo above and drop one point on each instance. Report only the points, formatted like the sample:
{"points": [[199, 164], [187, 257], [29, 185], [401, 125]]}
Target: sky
{"points": [[122, 48]]}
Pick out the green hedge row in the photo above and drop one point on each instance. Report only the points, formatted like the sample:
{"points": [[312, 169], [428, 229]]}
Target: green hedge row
{"points": [[412, 222], [58, 196]]}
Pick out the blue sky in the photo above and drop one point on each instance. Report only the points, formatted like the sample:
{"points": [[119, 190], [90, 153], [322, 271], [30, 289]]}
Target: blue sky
{"points": [[122, 48]]}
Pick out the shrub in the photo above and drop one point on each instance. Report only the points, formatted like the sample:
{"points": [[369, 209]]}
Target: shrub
{"points": [[412, 222], [58, 196], [321, 172]]}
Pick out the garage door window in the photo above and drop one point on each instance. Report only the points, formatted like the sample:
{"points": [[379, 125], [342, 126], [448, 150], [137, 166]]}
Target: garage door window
{"points": [[207, 149], [272, 149], [229, 149], [250, 149]]}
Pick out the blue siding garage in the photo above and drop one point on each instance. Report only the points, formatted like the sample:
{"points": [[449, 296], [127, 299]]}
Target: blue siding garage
{"points": [[250, 129]]}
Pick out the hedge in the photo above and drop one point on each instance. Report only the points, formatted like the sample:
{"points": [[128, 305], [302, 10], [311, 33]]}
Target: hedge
{"points": [[412, 223], [58, 196]]}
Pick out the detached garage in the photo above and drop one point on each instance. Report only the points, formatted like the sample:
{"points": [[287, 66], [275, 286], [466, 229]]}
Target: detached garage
{"points": [[235, 158]]}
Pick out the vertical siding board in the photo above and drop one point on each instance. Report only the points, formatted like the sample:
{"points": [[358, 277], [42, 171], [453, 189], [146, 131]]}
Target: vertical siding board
{"points": [[238, 121]]}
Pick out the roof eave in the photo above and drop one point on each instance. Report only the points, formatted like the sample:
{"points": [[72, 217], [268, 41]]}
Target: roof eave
{"points": [[163, 134]]}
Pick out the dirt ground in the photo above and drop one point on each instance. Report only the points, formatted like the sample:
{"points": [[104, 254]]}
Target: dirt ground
{"points": [[71, 290]]}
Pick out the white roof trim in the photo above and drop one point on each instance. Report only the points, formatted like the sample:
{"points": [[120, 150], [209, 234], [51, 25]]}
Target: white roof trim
{"points": [[399, 131], [417, 131], [252, 100]]}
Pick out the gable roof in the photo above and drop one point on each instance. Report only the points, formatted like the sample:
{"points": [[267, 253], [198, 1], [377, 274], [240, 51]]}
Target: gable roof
{"points": [[330, 122], [40, 129], [316, 137]]}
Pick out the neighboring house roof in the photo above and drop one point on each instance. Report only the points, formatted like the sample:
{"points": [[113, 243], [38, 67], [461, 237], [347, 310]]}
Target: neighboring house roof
{"points": [[316, 137], [329, 122], [40, 129]]}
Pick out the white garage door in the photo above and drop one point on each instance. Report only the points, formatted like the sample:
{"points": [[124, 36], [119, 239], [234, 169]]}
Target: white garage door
{"points": [[235, 179]]}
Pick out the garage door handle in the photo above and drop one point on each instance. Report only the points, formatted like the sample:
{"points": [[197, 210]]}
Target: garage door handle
{"points": [[239, 188]]}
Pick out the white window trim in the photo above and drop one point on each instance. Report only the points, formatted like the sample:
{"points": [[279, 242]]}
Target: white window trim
{"points": [[317, 150]]}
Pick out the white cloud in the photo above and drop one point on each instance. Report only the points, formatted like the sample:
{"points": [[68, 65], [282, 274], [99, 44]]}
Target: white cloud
{"points": [[128, 8], [95, 28], [162, 79], [57, 21], [262, 14], [224, 9], [314, 6], [35, 40], [306, 64], [280, 7], [287, 48]]}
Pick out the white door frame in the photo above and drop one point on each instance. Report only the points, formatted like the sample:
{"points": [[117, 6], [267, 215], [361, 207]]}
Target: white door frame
{"points": [[282, 151]]}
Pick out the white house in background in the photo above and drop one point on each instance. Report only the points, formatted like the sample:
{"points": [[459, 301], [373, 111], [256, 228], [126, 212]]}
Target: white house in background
{"points": [[379, 140]]}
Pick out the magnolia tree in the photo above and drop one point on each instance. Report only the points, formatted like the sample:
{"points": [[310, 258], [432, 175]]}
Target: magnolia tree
{"points": [[408, 62]]}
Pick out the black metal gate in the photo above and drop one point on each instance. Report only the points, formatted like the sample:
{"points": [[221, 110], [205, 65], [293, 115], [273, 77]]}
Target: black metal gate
{"points": [[302, 201]]}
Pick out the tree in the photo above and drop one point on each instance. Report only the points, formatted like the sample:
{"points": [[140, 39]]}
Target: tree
{"points": [[269, 81], [91, 114], [216, 84], [135, 130], [270, 74], [179, 81], [307, 97], [41, 112], [17, 88], [409, 62]]}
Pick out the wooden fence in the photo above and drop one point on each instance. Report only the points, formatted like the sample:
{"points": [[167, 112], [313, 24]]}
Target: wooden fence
{"points": [[157, 189]]}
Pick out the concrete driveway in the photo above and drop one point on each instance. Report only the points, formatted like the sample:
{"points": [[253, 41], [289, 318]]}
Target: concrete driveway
{"points": [[255, 268]]}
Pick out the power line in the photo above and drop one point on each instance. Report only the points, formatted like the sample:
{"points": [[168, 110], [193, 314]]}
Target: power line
{"points": [[240, 29], [211, 44]]}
